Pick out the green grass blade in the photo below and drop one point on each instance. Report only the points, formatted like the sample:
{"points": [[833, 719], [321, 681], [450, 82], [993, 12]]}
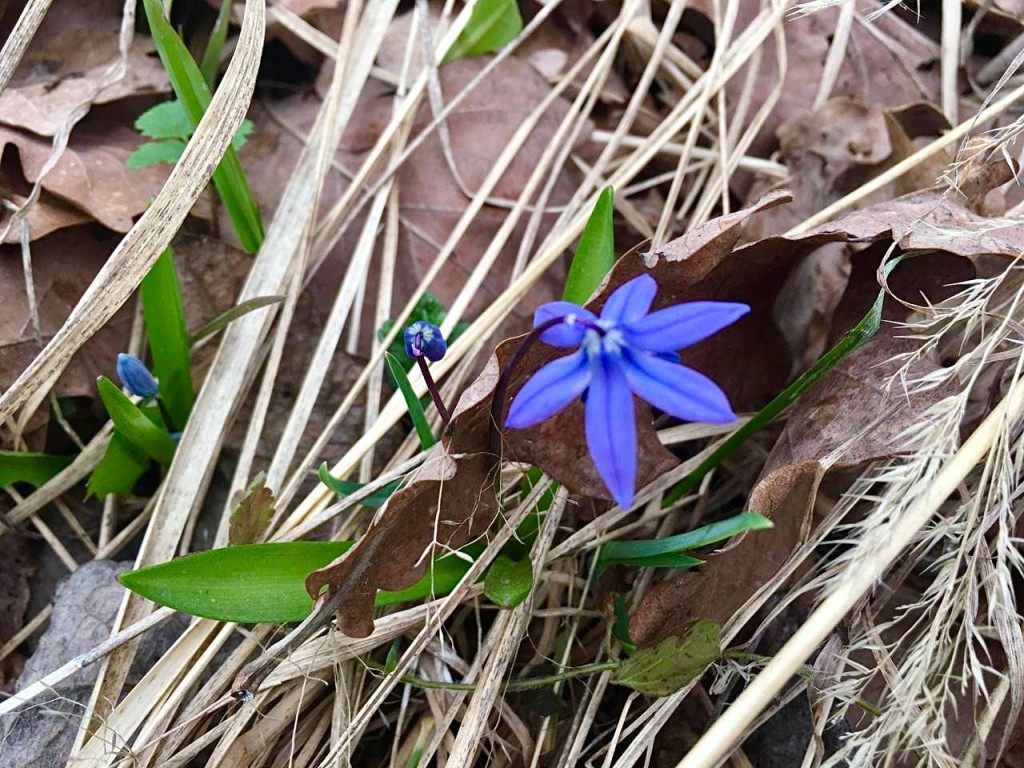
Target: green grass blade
{"points": [[419, 416], [32, 468], [492, 24], [631, 552], [257, 583], [134, 424], [864, 330], [230, 315], [168, 338], [215, 45], [595, 253], [194, 94], [119, 470], [348, 487]]}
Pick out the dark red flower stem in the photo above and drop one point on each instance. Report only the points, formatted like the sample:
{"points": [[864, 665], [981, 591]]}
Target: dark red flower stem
{"points": [[435, 393]]}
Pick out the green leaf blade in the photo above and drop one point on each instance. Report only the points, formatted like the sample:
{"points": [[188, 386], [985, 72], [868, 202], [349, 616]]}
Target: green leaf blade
{"points": [[416, 412], [348, 487], [595, 253], [265, 583], [492, 25], [164, 315], [134, 424], [194, 95], [121, 467], [31, 468]]}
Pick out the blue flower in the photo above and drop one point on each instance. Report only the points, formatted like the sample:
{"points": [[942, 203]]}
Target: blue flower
{"points": [[423, 339], [135, 376], [627, 350]]}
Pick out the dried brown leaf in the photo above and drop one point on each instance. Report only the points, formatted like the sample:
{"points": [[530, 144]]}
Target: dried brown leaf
{"points": [[91, 173], [69, 58]]}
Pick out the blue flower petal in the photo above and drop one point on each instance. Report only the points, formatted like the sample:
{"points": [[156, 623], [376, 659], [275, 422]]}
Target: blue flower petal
{"points": [[549, 390], [611, 428], [567, 334], [630, 301], [135, 376], [676, 390], [680, 326]]}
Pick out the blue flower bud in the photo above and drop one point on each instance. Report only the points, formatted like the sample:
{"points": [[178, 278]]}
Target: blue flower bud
{"points": [[423, 339], [135, 376]]}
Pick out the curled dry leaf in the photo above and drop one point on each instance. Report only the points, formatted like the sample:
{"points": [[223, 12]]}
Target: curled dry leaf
{"points": [[58, 75], [850, 417]]}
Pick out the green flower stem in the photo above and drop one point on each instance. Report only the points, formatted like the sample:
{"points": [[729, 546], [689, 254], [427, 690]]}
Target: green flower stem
{"points": [[514, 685]]}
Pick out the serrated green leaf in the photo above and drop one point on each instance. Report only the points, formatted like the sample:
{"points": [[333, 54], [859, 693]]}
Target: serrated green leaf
{"points": [[492, 24], [120, 468], [31, 468], [265, 583], [153, 152], [166, 120], [134, 425], [673, 663], [164, 316], [416, 412], [242, 134], [595, 253], [194, 95], [252, 513], [508, 582], [348, 487]]}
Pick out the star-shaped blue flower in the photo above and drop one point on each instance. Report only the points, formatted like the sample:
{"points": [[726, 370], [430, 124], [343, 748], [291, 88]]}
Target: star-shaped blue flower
{"points": [[627, 350]]}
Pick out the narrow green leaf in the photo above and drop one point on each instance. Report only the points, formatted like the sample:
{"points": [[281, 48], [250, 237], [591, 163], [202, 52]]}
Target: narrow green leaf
{"points": [[120, 468], [230, 315], [32, 468], [134, 424], [668, 560], [620, 627], [166, 120], [492, 24], [671, 664], [348, 487], [153, 152], [257, 583], [632, 552], [419, 416], [194, 94], [595, 253], [508, 582], [211, 56], [168, 338], [864, 330]]}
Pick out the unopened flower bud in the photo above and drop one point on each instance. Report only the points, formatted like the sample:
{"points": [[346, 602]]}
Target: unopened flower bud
{"points": [[135, 376], [423, 339]]}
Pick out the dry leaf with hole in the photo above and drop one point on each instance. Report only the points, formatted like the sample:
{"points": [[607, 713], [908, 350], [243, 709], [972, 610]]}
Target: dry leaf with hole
{"points": [[57, 74]]}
